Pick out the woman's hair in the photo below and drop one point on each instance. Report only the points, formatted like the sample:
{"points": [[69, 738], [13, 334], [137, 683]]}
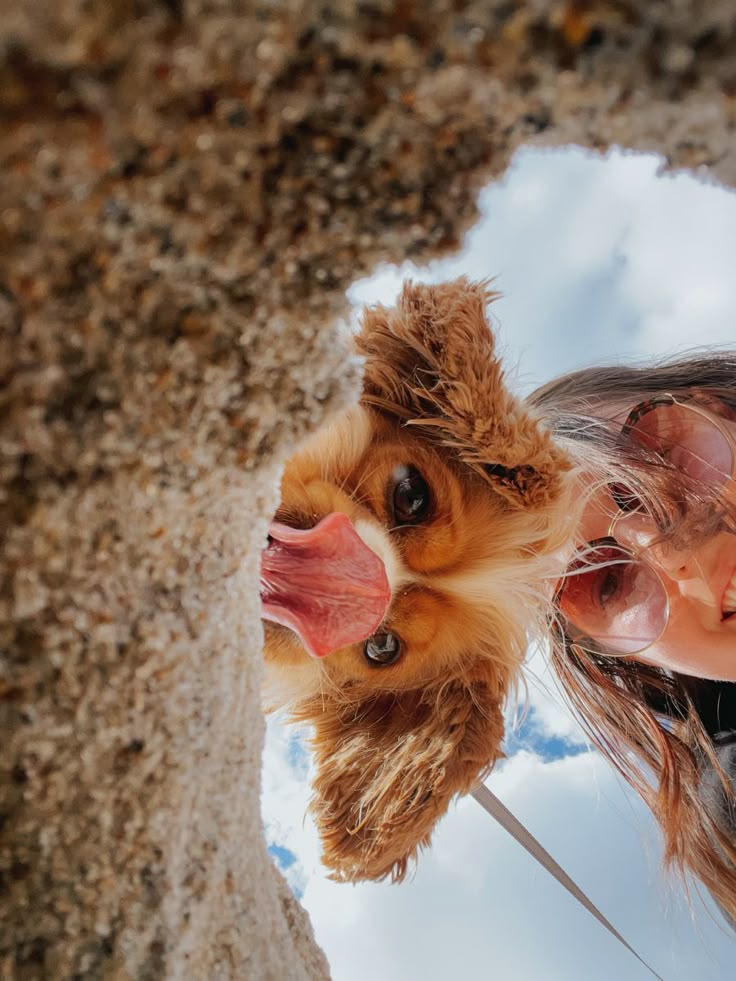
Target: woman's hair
{"points": [[642, 718]]}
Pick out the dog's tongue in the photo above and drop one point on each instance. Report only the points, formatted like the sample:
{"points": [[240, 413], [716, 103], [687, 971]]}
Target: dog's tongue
{"points": [[324, 583]]}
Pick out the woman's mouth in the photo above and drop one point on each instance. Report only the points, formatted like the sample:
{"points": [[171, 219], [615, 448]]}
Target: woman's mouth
{"points": [[729, 600]]}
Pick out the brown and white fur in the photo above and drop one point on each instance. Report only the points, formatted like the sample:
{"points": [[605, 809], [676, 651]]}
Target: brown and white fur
{"points": [[394, 743]]}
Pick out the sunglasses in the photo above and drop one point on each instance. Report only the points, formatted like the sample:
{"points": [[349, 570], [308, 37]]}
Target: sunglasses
{"points": [[608, 593]]}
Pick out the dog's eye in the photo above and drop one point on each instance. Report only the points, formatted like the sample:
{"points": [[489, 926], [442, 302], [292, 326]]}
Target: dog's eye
{"points": [[383, 648], [410, 499]]}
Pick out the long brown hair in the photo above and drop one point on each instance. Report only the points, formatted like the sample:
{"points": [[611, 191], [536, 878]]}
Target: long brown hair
{"points": [[643, 719]]}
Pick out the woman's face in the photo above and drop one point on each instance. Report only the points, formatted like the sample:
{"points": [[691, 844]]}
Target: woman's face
{"points": [[700, 635]]}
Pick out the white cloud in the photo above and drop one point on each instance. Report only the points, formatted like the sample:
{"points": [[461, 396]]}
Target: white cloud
{"points": [[479, 906], [597, 258], [284, 799], [546, 711]]}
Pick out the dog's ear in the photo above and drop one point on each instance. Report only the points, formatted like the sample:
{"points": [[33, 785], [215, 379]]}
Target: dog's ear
{"points": [[389, 765], [431, 362]]}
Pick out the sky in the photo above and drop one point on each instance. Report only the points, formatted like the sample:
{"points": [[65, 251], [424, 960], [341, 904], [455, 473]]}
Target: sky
{"points": [[597, 258]]}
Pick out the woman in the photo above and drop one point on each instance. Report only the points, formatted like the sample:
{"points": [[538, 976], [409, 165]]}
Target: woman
{"points": [[645, 642]]}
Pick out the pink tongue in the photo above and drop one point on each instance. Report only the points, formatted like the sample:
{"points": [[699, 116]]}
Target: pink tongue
{"points": [[324, 583]]}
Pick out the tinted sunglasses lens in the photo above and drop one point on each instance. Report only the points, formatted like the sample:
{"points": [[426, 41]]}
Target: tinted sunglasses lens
{"points": [[614, 600], [687, 440]]}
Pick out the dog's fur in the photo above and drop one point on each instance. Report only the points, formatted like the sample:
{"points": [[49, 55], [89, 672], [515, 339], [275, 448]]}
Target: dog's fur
{"points": [[395, 743]]}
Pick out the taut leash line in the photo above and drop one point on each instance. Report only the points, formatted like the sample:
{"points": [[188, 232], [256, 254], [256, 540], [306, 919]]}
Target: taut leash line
{"points": [[488, 800]]}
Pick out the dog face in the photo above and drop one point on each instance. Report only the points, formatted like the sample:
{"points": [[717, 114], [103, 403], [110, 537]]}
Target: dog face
{"points": [[450, 503]]}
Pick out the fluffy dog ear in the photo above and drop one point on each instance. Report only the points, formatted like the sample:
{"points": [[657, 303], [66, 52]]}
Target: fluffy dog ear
{"points": [[389, 765], [431, 361]]}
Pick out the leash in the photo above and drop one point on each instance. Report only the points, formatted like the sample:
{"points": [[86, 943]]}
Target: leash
{"points": [[488, 800]]}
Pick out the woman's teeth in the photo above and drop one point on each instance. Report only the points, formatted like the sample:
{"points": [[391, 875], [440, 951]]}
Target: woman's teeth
{"points": [[729, 600]]}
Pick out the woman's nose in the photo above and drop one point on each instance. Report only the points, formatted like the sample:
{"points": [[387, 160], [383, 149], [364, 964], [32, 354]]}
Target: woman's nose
{"points": [[639, 532]]}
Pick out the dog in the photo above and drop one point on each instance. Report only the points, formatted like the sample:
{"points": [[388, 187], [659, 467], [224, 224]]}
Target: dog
{"points": [[406, 565]]}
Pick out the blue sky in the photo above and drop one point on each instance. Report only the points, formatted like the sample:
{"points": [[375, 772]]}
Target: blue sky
{"points": [[598, 258]]}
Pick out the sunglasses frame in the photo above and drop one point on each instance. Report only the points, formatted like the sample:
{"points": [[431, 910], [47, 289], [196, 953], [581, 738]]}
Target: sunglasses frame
{"points": [[638, 412]]}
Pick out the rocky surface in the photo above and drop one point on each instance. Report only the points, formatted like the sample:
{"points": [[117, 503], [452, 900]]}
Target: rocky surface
{"points": [[188, 186]]}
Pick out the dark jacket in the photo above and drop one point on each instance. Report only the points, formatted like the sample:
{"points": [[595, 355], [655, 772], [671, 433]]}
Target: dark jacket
{"points": [[716, 705]]}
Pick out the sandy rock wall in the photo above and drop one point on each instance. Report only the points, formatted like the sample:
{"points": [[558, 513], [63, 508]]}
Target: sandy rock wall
{"points": [[187, 187]]}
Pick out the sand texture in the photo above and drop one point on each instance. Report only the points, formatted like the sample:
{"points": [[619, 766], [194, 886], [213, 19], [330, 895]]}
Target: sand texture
{"points": [[187, 187]]}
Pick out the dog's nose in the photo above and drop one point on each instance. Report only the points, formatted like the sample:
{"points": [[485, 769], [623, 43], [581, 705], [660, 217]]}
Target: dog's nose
{"points": [[324, 583]]}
